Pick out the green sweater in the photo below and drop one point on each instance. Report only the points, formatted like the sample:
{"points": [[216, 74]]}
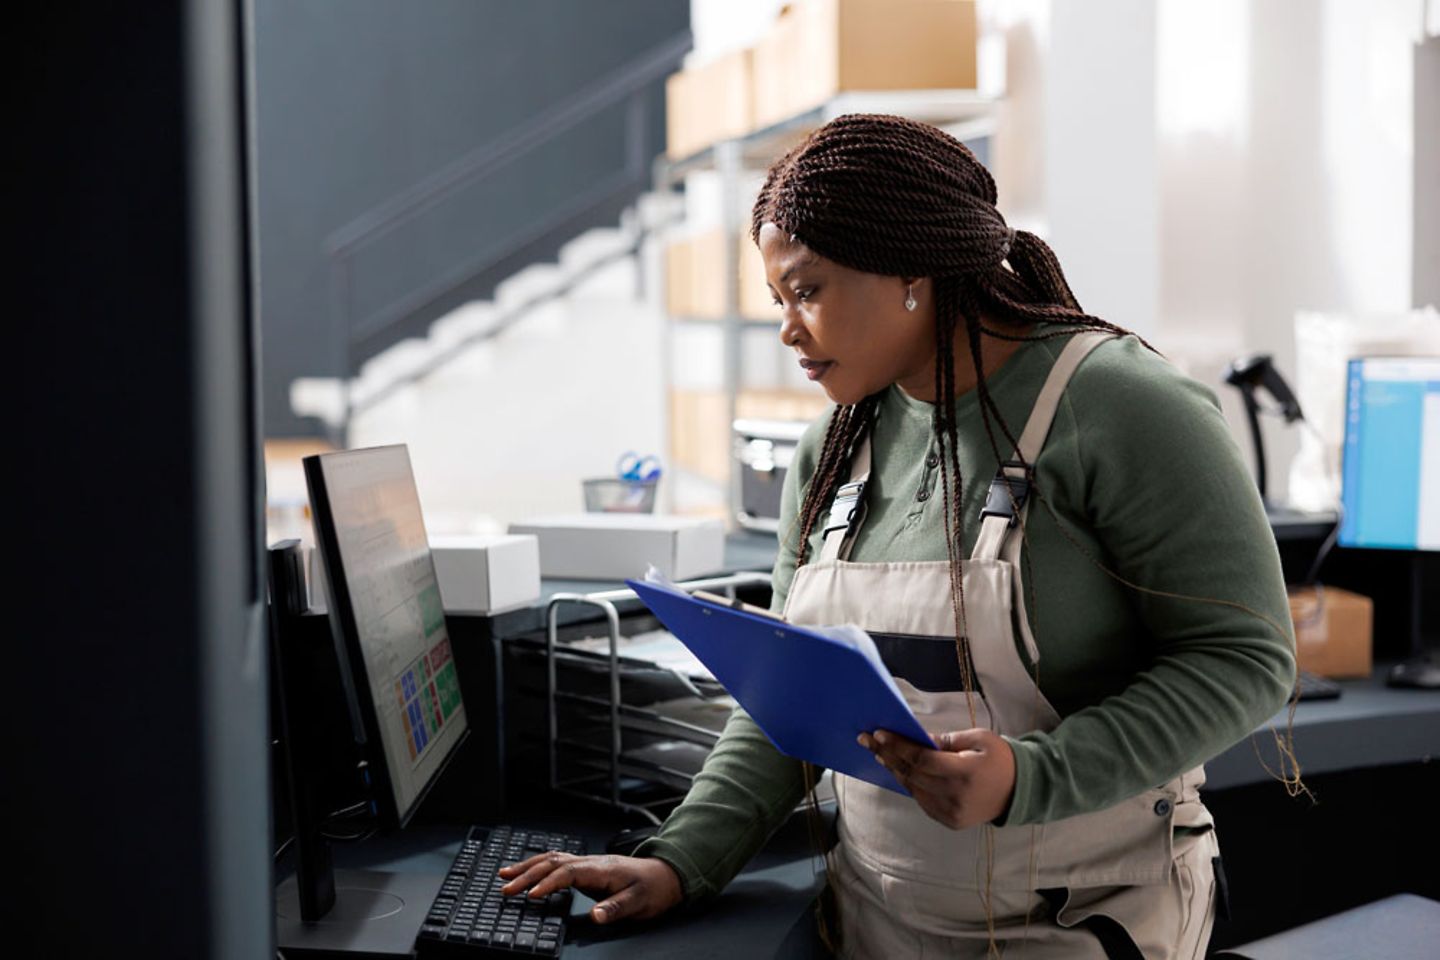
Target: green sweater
{"points": [[1143, 472]]}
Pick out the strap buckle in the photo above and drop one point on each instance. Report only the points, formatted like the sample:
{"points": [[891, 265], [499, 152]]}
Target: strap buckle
{"points": [[844, 507], [1008, 493]]}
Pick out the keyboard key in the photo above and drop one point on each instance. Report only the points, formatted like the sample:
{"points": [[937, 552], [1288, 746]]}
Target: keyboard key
{"points": [[481, 938], [525, 941], [503, 939], [432, 931]]}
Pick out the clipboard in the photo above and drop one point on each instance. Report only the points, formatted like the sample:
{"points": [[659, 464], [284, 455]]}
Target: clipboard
{"points": [[811, 694]]}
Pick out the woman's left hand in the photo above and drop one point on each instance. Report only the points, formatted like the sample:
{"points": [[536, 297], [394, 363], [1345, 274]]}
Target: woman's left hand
{"points": [[967, 781]]}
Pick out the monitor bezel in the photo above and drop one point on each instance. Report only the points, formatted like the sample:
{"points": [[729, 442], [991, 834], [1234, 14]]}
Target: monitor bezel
{"points": [[347, 634]]}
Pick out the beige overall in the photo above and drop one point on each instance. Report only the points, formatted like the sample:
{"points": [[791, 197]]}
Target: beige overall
{"points": [[1113, 883]]}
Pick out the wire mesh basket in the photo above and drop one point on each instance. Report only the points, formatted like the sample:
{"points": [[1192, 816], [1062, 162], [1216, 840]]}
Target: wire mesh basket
{"points": [[613, 495]]}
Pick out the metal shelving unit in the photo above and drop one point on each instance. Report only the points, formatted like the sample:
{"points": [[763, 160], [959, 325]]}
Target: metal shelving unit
{"points": [[591, 760]]}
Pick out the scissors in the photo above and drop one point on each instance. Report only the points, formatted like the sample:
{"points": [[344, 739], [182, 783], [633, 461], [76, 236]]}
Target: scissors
{"points": [[637, 469]]}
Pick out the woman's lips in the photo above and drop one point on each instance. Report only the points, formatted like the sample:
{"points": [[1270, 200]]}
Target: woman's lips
{"points": [[815, 369]]}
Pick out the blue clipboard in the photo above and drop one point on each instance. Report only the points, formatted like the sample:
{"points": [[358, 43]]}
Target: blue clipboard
{"points": [[810, 694]]}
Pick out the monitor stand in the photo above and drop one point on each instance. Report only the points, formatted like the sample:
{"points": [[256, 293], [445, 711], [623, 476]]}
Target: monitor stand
{"points": [[375, 915], [1422, 670]]}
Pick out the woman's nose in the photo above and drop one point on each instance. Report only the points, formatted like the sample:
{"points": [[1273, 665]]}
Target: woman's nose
{"points": [[790, 326]]}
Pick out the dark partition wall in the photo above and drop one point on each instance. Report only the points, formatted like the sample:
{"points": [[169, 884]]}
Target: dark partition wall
{"points": [[410, 156], [136, 726]]}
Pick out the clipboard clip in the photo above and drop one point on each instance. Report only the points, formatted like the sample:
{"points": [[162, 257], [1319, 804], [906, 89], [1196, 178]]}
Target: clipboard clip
{"points": [[843, 509]]}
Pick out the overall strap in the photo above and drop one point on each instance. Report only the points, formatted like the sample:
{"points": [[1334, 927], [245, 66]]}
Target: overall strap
{"points": [[847, 511], [1006, 504]]}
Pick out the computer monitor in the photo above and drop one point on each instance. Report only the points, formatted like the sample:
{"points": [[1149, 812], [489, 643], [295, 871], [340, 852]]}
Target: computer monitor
{"points": [[1391, 474], [1390, 481], [389, 666], [385, 607]]}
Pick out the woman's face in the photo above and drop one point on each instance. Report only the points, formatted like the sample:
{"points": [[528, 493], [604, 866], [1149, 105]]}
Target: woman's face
{"points": [[850, 329]]}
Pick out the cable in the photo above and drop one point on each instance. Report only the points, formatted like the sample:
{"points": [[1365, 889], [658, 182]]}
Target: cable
{"points": [[289, 842], [361, 807], [1335, 492], [350, 837]]}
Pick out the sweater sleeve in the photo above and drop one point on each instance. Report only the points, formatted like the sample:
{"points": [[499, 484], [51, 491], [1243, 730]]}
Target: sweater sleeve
{"points": [[747, 788], [1175, 511]]}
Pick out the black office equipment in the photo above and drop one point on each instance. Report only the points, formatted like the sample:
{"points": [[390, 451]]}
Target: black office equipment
{"points": [[470, 918], [1312, 686], [315, 876], [765, 449], [1249, 374], [390, 648], [1391, 480]]}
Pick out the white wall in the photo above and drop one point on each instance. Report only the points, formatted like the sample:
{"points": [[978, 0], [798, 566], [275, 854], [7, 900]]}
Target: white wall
{"points": [[509, 429], [1100, 157], [1285, 144]]}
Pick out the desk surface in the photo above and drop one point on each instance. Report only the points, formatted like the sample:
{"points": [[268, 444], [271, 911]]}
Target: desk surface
{"points": [[1370, 725], [764, 912]]}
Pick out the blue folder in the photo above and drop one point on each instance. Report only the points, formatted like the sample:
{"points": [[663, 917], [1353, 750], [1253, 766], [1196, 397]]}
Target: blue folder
{"points": [[810, 694]]}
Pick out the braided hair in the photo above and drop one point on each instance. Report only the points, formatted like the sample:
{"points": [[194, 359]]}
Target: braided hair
{"points": [[893, 196]]}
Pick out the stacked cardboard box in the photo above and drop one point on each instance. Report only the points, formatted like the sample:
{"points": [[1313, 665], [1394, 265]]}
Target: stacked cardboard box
{"points": [[815, 50], [819, 48], [709, 103], [1332, 631], [695, 278]]}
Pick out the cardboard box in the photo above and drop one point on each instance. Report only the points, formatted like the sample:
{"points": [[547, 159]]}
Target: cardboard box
{"points": [[613, 546], [695, 276], [818, 48], [700, 433], [679, 279], [1332, 631], [708, 103], [486, 574], [756, 302]]}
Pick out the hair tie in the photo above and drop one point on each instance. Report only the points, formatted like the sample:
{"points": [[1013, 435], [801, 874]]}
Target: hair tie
{"points": [[1008, 242]]}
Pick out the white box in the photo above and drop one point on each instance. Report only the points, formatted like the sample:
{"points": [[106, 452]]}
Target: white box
{"points": [[613, 546], [486, 573]]}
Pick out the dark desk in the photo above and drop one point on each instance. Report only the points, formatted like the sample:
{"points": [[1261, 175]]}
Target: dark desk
{"points": [[1371, 725], [764, 912]]}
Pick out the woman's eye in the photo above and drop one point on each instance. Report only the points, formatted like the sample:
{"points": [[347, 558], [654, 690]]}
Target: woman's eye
{"points": [[803, 295]]}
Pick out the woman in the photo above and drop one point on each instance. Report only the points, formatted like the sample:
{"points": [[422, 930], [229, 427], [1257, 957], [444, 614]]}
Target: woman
{"points": [[1050, 493]]}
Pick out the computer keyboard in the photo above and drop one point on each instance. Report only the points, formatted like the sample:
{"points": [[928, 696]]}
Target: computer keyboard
{"points": [[1312, 686], [470, 918]]}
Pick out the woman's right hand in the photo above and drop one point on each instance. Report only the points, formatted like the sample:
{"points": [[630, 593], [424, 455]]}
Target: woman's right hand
{"points": [[638, 887]]}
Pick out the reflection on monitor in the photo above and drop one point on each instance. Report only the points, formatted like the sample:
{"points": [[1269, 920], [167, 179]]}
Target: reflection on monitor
{"points": [[385, 598], [1392, 454]]}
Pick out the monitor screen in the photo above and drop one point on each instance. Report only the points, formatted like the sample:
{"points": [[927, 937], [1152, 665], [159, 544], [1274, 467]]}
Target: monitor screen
{"points": [[385, 599], [1391, 475]]}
